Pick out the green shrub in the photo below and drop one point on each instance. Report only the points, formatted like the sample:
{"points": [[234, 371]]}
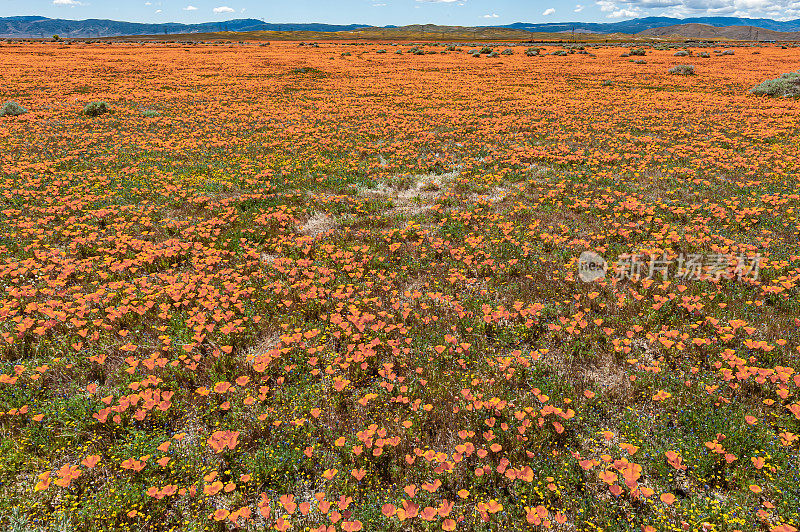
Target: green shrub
{"points": [[507, 51], [486, 50], [682, 70], [560, 53], [682, 53], [607, 83], [18, 522], [96, 109], [531, 52], [638, 51], [788, 85], [705, 55], [150, 113], [12, 108]]}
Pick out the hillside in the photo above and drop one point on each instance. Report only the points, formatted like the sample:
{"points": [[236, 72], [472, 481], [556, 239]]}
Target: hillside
{"points": [[328, 289], [42, 27], [33, 27], [705, 31], [401, 34]]}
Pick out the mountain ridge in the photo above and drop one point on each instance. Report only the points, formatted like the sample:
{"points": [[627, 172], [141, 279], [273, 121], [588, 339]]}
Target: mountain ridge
{"points": [[42, 27]]}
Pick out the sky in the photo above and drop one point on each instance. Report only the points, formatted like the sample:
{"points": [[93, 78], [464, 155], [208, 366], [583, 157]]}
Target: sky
{"points": [[397, 12]]}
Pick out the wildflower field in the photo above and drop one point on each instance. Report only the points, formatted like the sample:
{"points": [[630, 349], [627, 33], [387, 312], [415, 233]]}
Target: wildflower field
{"points": [[336, 288]]}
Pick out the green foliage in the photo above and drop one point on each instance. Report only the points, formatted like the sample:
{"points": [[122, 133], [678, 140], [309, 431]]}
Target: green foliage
{"points": [[788, 85], [12, 108], [96, 109], [18, 522], [682, 70]]}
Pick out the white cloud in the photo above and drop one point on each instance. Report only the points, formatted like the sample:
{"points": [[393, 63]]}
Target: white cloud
{"points": [[774, 9], [69, 3], [493, 15], [190, 8], [548, 12], [223, 9], [578, 8]]}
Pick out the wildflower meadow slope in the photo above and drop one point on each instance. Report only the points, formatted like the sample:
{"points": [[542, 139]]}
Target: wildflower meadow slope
{"points": [[336, 288]]}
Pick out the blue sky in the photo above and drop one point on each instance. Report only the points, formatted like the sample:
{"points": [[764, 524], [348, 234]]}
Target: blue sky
{"points": [[399, 12]]}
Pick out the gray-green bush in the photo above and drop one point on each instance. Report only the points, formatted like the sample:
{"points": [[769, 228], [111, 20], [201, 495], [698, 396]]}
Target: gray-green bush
{"points": [[12, 108], [682, 70], [95, 109], [788, 85]]}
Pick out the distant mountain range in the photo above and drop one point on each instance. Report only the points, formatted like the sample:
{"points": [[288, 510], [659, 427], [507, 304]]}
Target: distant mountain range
{"points": [[33, 27], [641, 24], [38, 27], [736, 33]]}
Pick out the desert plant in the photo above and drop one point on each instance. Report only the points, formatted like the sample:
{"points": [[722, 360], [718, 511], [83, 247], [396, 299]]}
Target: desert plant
{"points": [[12, 108], [638, 51], [507, 51], [682, 53], [150, 113], [493, 54], [560, 53], [727, 52], [18, 522], [486, 50], [56, 38], [531, 52], [788, 85], [607, 83], [682, 70], [705, 55], [95, 109]]}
